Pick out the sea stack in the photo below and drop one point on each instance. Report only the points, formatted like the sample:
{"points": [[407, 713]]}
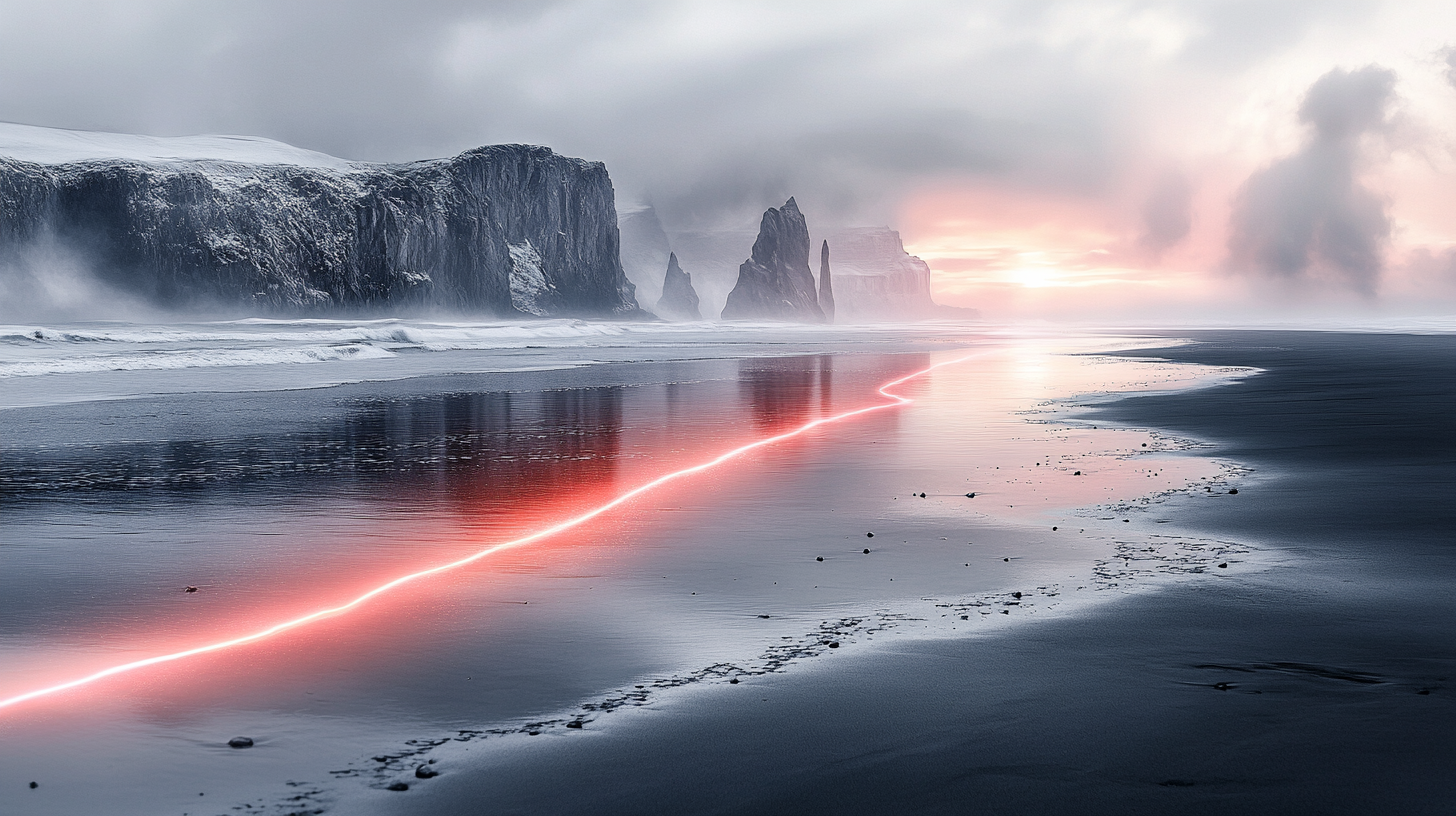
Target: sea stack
{"points": [[775, 282], [826, 288], [679, 300]]}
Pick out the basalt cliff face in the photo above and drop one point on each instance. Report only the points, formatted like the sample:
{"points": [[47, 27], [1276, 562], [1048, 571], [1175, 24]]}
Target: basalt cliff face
{"points": [[251, 225], [775, 282], [876, 279]]}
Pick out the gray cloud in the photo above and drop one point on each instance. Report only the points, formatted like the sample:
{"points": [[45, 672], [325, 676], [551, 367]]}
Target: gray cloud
{"points": [[1307, 216], [1167, 213], [713, 110]]}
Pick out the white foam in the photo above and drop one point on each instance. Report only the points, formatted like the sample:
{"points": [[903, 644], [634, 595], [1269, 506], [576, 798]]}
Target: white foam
{"points": [[190, 358]]}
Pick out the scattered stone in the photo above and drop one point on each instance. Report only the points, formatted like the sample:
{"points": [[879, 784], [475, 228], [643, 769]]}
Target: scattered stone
{"points": [[398, 786], [970, 495], [1005, 612], [1054, 529], [1223, 686], [35, 785], [869, 535], [1234, 491], [240, 742], [190, 589], [1006, 559], [533, 733], [819, 558], [426, 772], [1223, 565], [733, 682], [761, 616], [1145, 444], [574, 724], [1016, 594], [834, 644], [1078, 473], [922, 495], [867, 551]]}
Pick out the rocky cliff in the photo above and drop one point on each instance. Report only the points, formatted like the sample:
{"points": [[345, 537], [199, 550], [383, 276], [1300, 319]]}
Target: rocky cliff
{"points": [[250, 225], [679, 300], [644, 249], [876, 279], [775, 282]]}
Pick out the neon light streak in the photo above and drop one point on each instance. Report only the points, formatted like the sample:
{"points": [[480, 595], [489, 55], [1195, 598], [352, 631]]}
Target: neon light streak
{"points": [[895, 401]]}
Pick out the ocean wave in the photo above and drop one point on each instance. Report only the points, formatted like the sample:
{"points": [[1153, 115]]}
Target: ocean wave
{"points": [[190, 358]]}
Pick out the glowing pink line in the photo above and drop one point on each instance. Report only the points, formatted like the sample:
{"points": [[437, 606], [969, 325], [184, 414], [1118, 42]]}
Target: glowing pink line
{"points": [[470, 559]]}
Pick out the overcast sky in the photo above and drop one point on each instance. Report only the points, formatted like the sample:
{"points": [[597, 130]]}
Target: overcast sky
{"points": [[1045, 157]]}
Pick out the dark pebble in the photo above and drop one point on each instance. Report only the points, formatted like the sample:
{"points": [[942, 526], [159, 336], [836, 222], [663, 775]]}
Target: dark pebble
{"points": [[733, 682], [867, 551], [1223, 566], [819, 558], [1234, 492], [574, 724], [1422, 691], [922, 495], [398, 786], [1078, 473], [834, 644], [35, 785], [534, 733], [869, 535], [1006, 559], [1054, 529], [1005, 612], [970, 495], [1222, 686], [761, 616], [1145, 444], [190, 589], [240, 742], [426, 772], [1016, 594]]}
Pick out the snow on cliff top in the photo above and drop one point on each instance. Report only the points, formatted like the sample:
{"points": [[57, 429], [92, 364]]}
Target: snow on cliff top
{"points": [[43, 145]]}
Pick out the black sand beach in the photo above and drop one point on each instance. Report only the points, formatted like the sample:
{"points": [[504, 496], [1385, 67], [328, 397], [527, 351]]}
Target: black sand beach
{"points": [[1320, 685]]}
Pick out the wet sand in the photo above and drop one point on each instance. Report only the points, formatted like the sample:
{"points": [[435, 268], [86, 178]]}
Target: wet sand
{"points": [[277, 501], [1318, 683]]}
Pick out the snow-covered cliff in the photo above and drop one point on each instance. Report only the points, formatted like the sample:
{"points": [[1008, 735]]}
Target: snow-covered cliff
{"points": [[241, 224]]}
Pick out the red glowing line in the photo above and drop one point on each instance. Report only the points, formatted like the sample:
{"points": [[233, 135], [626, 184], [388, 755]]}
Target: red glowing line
{"points": [[896, 401]]}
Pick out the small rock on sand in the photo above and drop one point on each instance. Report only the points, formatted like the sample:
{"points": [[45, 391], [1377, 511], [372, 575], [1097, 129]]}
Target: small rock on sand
{"points": [[398, 786], [819, 558], [970, 495], [1223, 566], [867, 551], [734, 681], [240, 742], [574, 724], [34, 785], [869, 535], [1234, 492], [426, 772], [834, 644]]}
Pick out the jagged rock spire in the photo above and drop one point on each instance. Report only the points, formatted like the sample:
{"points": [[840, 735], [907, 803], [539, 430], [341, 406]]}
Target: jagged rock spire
{"points": [[679, 299], [775, 282], [826, 287]]}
